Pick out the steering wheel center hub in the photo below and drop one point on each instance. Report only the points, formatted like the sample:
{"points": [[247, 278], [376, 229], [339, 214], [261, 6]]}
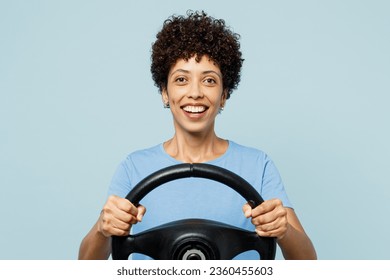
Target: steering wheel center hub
{"points": [[193, 249]]}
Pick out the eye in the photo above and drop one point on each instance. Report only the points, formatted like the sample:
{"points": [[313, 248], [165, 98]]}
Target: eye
{"points": [[180, 80], [210, 81]]}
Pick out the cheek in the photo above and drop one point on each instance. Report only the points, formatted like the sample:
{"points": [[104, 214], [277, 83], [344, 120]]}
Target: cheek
{"points": [[176, 95], [221, 101]]}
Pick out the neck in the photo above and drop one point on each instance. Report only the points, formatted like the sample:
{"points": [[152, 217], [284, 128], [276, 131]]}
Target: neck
{"points": [[195, 148]]}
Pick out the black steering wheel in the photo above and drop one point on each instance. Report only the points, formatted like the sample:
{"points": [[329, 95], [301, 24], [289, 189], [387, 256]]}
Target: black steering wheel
{"points": [[193, 239]]}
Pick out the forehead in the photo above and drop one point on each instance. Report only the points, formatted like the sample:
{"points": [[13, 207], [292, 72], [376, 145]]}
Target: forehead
{"points": [[196, 64]]}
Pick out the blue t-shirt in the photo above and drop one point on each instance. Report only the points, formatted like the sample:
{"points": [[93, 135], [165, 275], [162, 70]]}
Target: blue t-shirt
{"points": [[198, 197]]}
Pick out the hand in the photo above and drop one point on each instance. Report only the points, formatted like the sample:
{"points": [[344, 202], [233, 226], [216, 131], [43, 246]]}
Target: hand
{"points": [[270, 218], [118, 215]]}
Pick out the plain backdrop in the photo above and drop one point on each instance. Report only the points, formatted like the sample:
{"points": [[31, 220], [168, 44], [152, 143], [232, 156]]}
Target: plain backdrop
{"points": [[76, 96]]}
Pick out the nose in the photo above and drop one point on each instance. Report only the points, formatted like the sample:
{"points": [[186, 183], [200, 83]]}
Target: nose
{"points": [[195, 91]]}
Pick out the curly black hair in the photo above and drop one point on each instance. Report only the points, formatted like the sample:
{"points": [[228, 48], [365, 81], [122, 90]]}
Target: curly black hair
{"points": [[197, 35]]}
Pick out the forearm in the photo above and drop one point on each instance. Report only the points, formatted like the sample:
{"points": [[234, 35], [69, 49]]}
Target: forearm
{"points": [[95, 246], [296, 245]]}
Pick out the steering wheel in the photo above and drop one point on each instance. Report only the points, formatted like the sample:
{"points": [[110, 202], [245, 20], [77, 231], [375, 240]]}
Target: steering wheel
{"points": [[193, 239]]}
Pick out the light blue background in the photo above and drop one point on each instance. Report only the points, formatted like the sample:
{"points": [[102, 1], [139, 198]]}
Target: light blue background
{"points": [[77, 97]]}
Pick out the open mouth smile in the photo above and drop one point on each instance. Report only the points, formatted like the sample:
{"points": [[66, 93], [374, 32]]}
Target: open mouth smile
{"points": [[192, 109]]}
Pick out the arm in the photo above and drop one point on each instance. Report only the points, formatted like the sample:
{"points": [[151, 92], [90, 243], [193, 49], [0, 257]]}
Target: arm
{"points": [[95, 246], [272, 219], [295, 243], [116, 218]]}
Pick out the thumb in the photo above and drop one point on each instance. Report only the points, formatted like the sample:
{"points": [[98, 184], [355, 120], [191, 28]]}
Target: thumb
{"points": [[141, 212], [247, 209]]}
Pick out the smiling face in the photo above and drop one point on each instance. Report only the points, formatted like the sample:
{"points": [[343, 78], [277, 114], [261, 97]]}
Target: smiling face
{"points": [[195, 94]]}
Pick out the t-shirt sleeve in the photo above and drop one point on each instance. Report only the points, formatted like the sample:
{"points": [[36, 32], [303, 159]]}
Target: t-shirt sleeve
{"points": [[272, 185], [120, 183]]}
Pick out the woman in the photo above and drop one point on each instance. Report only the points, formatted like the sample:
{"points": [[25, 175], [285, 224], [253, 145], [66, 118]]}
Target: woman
{"points": [[196, 63]]}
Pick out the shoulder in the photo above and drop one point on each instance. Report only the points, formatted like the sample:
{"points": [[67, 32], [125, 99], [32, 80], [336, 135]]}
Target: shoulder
{"points": [[136, 166], [246, 152], [144, 157], [144, 154], [249, 161], [143, 162]]}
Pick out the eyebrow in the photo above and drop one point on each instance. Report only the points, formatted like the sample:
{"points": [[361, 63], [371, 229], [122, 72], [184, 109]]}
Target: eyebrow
{"points": [[204, 72]]}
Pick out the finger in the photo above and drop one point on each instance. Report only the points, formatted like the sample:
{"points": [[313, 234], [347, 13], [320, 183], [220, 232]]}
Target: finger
{"points": [[141, 212], [277, 223], [267, 206], [120, 225], [110, 226], [112, 213], [118, 232], [268, 233], [276, 214], [115, 210], [247, 209], [272, 231], [122, 204], [126, 206]]}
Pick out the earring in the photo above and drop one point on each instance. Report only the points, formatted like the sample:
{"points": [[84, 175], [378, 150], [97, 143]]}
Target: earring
{"points": [[220, 110], [166, 105]]}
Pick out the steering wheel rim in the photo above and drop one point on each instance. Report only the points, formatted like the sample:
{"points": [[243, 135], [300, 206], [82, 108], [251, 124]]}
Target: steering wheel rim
{"points": [[198, 170]]}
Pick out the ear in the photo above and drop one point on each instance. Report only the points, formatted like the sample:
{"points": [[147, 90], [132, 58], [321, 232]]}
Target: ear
{"points": [[224, 97], [164, 95]]}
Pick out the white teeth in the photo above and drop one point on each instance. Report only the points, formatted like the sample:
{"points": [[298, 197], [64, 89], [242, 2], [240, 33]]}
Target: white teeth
{"points": [[194, 109]]}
